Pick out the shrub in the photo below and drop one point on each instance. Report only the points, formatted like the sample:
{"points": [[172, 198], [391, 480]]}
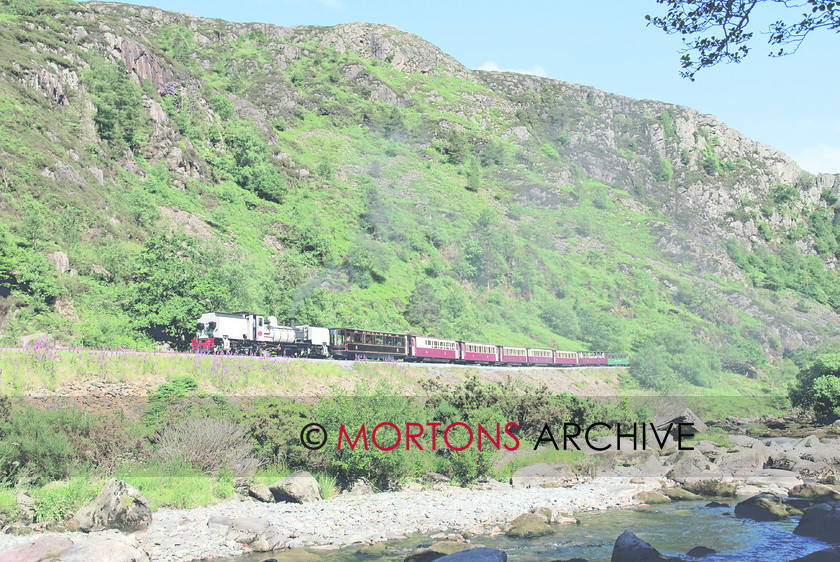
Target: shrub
{"points": [[35, 447], [211, 445], [370, 407], [274, 426]]}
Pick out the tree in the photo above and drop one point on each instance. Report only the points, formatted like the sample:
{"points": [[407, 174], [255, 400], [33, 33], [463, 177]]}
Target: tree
{"points": [[717, 31], [173, 286], [818, 387]]}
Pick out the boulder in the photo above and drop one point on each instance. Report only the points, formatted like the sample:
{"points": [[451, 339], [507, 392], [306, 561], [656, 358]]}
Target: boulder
{"points": [[716, 505], [785, 479], [260, 492], [700, 552], [300, 487], [246, 530], [821, 522], [44, 548], [543, 475], [710, 488], [782, 460], [553, 516], [112, 549], [528, 525], [763, 507], [681, 416], [436, 551], [746, 462], [480, 554], [118, 506], [651, 497], [630, 547], [676, 493], [692, 464], [270, 539], [814, 492]]}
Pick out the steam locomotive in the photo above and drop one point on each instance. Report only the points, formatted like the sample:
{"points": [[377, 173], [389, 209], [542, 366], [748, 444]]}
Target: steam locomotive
{"points": [[245, 332]]}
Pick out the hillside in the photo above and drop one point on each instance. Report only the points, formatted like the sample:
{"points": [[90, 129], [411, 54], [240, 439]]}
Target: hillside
{"points": [[156, 165]]}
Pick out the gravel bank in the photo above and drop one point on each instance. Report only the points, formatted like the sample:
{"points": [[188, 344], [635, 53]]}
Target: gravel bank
{"points": [[177, 534]]}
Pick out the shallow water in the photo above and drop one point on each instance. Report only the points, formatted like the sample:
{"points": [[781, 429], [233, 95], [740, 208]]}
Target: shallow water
{"points": [[673, 529]]}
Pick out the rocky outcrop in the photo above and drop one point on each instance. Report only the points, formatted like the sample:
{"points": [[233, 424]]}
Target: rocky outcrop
{"points": [[118, 506]]}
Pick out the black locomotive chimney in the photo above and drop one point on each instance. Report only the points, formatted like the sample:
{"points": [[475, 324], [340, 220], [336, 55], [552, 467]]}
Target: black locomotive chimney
{"points": [[292, 321]]}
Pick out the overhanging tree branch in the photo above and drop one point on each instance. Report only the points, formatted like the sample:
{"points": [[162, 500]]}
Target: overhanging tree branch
{"points": [[716, 31]]}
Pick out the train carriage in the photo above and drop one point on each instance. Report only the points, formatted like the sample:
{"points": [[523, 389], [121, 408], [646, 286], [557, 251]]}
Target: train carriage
{"points": [[434, 349], [592, 358], [513, 354], [353, 343], [565, 358], [540, 356], [479, 352], [618, 359]]}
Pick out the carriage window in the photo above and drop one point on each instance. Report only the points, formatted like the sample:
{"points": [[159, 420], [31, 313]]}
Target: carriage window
{"points": [[367, 338], [379, 340], [357, 338]]}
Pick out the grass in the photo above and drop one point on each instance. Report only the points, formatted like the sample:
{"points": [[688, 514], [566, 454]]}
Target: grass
{"points": [[716, 435], [8, 504], [57, 501]]}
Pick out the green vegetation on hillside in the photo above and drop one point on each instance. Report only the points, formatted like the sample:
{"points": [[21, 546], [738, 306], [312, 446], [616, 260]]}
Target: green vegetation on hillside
{"points": [[278, 173]]}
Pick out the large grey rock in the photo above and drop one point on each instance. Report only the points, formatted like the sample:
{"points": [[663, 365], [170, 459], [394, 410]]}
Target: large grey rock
{"points": [[746, 462], [118, 506], [821, 522], [763, 507], [246, 529], [270, 539], [690, 465], [528, 525], [770, 476], [260, 492], [543, 475], [685, 416], [43, 548], [630, 547], [300, 487], [112, 549], [480, 554]]}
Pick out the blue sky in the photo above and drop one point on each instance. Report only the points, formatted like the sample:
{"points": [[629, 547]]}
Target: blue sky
{"points": [[790, 103]]}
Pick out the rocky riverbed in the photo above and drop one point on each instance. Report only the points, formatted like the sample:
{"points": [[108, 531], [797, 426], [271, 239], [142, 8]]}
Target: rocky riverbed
{"points": [[345, 520]]}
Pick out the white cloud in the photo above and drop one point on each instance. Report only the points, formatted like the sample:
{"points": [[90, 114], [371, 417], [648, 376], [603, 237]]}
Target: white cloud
{"points": [[493, 66], [820, 158]]}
